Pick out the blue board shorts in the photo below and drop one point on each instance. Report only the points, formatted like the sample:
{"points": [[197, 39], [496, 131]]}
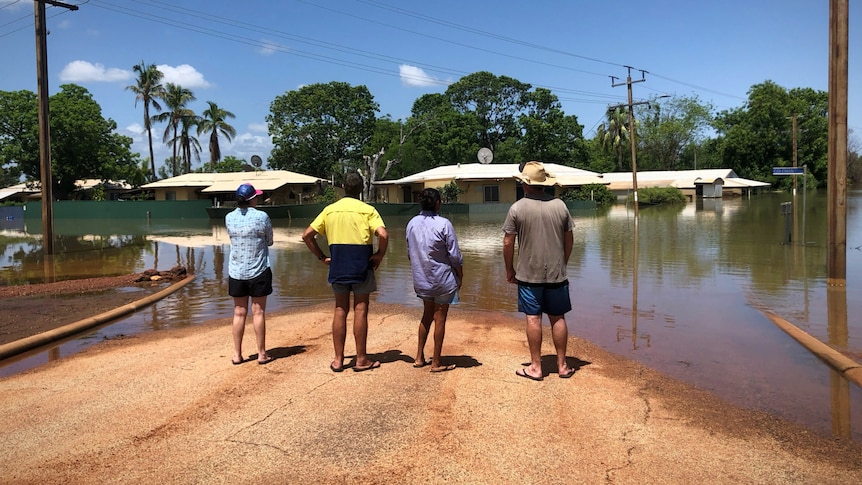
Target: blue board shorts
{"points": [[538, 298]]}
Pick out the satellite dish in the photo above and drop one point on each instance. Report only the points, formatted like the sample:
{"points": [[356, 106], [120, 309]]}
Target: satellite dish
{"points": [[485, 156], [256, 161]]}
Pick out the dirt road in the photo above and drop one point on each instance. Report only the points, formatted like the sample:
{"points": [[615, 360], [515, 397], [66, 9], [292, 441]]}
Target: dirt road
{"points": [[168, 407]]}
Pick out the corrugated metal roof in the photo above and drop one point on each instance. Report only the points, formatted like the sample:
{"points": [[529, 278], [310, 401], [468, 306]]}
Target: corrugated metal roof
{"points": [[478, 171], [228, 182]]}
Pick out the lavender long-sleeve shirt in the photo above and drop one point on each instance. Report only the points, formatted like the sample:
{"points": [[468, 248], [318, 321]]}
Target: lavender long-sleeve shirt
{"points": [[433, 252]]}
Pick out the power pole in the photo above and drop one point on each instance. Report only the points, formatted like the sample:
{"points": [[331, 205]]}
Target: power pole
{"points": [[629, 83], [44, 122], [836, 267], [793, 122]]}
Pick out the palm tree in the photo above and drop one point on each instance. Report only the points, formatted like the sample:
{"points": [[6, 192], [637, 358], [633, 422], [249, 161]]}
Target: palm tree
{"points": [[615, 133], [148, 90], [176, 98], [189, 145], [214, 121]]}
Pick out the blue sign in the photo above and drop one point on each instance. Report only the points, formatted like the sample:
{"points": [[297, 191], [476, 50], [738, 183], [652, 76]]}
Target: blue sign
{"points": [[788, 171]]}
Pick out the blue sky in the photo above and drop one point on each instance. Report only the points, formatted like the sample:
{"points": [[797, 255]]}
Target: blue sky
{"points": [[242, 55]]}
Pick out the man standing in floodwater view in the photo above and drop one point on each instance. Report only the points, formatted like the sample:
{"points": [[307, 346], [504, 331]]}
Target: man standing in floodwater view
{"points": [[542, 226], [350, 226]]}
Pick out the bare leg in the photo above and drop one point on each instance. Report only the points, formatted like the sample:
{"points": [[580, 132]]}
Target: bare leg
{"points": [[424, 330], [258, 314], [440, 313], [240, 310], [360, 329], [534, 340], [560, 333], [339, 327]]}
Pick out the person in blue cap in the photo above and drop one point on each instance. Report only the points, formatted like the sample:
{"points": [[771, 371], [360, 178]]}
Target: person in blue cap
{"points": [[249, 274]]}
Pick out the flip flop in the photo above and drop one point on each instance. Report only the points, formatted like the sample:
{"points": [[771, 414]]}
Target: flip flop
{"points": [[523, 373], [443, 369], [567, 375], [266, 360], [373, 365], [237, 363], [336, 369], [419, 365]]}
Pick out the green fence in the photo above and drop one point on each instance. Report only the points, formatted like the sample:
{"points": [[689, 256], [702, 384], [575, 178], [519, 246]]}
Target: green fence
{"points": [[128, 209]]}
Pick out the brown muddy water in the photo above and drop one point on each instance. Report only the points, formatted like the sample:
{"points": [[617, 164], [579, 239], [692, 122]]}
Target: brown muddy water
{"points": [[683, 294]]}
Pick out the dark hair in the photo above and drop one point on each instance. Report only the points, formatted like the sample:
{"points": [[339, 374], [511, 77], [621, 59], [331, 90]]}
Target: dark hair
{"points": [[241, 202], [353, 184], [428, 199]]}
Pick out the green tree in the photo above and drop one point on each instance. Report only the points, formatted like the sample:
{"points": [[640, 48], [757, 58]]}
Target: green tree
{"points": [[172, 167], [176, 99], [548, 134], [758, 136], [614, 134], [667, 128], [19, 134], [446, 136], [83, 143], [496, 102], [229, 163], [148, 89], [321, 129], [598, 193], [214, 121]]}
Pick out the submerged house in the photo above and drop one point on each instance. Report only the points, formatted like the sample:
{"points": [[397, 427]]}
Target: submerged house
{"points": [[478, 183], [85, 189], [280, 187], [708, 183]]}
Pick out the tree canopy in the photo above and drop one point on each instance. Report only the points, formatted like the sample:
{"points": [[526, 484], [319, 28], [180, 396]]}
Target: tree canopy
{"points": [[83, 143], [321, 129]]}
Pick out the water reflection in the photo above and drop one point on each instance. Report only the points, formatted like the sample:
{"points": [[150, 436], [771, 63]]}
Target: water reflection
{"points": [[675, 294]]}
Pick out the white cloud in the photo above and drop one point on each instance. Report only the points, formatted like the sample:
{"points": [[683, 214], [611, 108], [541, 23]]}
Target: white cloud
{"points": [[259, 127], [415, 76], [83, 71], [268, 47], [184, 75], [245, 145]]}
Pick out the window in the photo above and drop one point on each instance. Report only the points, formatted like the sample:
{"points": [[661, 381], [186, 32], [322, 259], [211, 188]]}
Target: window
{"points": [[170, 195], [492, 193]]}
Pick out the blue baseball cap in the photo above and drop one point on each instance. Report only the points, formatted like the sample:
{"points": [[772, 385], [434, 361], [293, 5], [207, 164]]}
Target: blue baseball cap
{"points": [[247, 192]]}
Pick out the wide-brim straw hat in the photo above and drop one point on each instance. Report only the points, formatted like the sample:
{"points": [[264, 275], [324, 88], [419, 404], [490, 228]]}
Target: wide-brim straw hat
{"points": [[534, 173]]}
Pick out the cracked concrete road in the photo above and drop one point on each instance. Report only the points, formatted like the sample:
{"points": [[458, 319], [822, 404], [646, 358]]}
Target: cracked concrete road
{"points": [[168, 407]]}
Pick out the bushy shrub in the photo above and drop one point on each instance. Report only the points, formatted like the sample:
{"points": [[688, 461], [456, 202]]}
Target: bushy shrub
{"points": [[450, 192], [328, 196], [659, 195], [598, 193]]}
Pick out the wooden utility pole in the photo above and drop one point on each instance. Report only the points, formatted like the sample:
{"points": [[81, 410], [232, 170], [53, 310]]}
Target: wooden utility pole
{"points": [[836, 266], [629, 83], [793, 123], [44, 122]]}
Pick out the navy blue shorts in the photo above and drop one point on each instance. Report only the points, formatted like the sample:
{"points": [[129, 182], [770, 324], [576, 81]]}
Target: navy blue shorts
{"points": [[260, 285], [538, 298]]}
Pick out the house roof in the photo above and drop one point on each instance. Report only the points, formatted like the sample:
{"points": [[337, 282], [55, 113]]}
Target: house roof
{"points": [[494, 171], [35, 188], [681, 179], [267, 180]]}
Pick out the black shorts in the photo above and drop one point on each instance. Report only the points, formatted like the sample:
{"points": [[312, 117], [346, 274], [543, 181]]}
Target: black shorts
{"points": [[260, 285]]}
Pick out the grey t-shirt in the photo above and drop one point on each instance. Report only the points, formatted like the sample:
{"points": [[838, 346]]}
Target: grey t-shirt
{"points": [[540, 223]]}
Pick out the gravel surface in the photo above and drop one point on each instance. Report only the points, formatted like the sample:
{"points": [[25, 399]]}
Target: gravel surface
{"points": [[169, 407]]}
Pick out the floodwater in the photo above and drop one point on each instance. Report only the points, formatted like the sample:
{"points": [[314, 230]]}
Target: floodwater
{"points": [[683, 293]]}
